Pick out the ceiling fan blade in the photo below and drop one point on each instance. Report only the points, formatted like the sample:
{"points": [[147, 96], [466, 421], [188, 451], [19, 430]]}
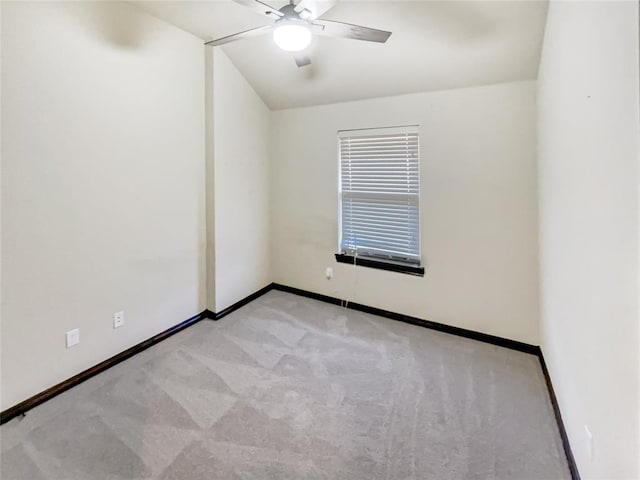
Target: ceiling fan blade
{"points": [[239, 36], [302, 60], [347, 30], [315, 8], [261, 8]]}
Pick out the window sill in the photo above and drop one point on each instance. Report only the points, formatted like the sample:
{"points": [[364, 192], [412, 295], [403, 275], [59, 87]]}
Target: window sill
{"points": [[380, 264]]}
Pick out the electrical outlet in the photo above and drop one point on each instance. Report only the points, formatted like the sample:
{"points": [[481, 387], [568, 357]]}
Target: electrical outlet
{"points": [[118, 319], [328, 273], [589, 438], [73, 337]]}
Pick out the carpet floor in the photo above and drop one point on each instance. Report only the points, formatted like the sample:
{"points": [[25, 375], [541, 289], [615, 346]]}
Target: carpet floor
{"points": [[292, 388]]}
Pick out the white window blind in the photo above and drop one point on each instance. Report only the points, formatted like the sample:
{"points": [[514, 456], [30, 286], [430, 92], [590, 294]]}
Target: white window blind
{"points": [[380, 193]]}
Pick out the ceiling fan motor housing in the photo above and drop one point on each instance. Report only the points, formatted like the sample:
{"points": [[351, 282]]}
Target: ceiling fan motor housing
{"points": [[290, 13]]}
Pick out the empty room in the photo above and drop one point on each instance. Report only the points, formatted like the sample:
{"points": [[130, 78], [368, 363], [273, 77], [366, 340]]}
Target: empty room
{"points": [[323, 239]]}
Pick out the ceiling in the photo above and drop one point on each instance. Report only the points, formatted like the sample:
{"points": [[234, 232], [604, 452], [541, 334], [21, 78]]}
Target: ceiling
{"points": [[435, 45]]}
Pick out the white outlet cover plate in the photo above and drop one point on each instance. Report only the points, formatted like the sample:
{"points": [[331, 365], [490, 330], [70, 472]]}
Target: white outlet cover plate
{"points": [[118, 319], [73, 337]]}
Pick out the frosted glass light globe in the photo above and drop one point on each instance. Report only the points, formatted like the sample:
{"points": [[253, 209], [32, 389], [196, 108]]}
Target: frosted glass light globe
{"points": [[292, 37]]}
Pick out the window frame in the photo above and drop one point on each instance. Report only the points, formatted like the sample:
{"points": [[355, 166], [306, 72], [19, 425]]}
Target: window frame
{"points": [[413, 267]]}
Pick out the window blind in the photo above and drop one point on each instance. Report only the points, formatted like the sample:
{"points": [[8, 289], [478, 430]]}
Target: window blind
{"points": [[380, 193]]}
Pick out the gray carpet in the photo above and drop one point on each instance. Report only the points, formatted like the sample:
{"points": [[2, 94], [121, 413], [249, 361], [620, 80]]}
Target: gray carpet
{"points": [[291, 388]]}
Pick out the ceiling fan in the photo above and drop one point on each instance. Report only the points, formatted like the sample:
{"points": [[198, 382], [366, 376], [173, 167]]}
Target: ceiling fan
{"points": [[296, 23]]}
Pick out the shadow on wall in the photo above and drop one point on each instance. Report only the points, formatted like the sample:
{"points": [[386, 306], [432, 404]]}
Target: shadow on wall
{"points": [[117, 24], [456, 22]]}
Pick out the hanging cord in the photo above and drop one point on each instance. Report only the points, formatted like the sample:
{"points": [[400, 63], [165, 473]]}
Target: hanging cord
{"points": [[345, 303]]}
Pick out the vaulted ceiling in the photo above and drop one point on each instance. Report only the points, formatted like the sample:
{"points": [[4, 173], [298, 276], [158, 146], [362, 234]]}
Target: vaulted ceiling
{"points": [[435, 45]]}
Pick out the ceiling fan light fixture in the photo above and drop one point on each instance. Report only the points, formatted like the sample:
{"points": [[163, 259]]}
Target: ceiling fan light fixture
{"points": [[292, 36]]}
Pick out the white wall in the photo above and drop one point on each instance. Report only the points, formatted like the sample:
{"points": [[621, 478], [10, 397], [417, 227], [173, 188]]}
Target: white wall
{"points": [[102, 185], [241, 185], [478, 207], [588, 166]]}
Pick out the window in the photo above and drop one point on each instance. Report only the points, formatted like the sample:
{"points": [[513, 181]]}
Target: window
{"points": [[380, 198]]}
